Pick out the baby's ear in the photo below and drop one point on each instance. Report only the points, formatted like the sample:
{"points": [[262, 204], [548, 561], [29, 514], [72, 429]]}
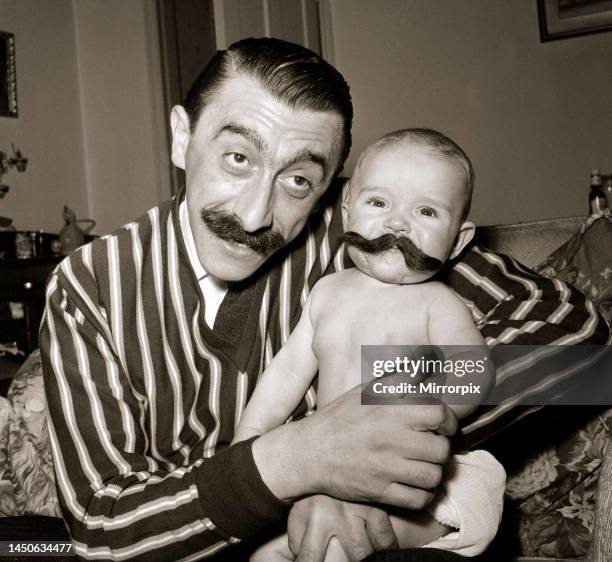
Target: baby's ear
{"points": [[345, 204], [463, 238]]}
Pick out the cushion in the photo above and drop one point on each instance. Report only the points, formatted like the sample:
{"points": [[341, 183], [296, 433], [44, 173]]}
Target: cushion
{"points": [[7, 485], [553, 492], [529, 242], [585, 261], [551, 495], [25, 455]]}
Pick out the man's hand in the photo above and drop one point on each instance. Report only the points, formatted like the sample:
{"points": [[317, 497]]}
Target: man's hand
{"points": [[360, 529], [383, 454]]}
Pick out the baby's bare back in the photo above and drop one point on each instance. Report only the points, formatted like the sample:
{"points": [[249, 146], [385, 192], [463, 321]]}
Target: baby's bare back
{"points": [[351, 309]]}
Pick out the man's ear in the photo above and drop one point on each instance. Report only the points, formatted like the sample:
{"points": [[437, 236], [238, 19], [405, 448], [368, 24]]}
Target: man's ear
{"points": [[179, 123], [464, 237]]}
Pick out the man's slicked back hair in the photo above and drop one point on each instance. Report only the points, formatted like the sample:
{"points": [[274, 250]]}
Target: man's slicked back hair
{"points": [[437, 144], [293, 74]]}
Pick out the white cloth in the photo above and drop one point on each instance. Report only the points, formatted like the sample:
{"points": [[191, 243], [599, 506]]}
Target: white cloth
{"points": [[471, 500], [213, 289]]}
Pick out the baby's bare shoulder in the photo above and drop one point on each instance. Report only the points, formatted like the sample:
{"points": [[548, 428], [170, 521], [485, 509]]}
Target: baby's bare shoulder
{"points": [[329, 289], [440, 294], [323, 288], [436, 289], [332, 282]]}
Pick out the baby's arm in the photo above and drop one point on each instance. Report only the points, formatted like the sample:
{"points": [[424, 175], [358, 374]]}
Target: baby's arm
{"points": [[284, 382], [450, 323]]}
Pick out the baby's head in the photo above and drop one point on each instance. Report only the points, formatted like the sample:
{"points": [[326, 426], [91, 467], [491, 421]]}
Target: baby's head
{"points": [[411, 189]]}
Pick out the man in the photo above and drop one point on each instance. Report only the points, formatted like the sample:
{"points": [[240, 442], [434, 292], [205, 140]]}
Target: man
{"points": [[154, 336]]}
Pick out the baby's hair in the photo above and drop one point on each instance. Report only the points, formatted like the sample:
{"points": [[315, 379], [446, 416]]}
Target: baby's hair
{"points": [[435, 142]]}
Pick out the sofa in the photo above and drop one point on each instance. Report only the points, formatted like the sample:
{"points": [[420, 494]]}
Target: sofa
{"points": [[559, 497]]}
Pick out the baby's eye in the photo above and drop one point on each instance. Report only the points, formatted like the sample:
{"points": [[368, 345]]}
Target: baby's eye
{"points": [[428, 212], [376, 202]]}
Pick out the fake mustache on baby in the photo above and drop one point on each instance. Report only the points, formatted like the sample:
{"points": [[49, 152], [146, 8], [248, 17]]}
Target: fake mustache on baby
{"points": [[415, 259], [227, 227]]}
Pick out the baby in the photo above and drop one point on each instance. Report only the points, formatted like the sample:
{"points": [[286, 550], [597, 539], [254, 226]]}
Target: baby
{"points": [[404, 213]]}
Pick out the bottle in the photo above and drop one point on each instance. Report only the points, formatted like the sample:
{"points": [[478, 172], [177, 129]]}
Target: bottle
{"points": [[597, 199], [607, 189], [71, 236]]}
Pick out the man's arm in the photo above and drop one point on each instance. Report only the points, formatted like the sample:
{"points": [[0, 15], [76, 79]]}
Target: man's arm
{"points": [[120, 498], [350, 451], [513, 305]]}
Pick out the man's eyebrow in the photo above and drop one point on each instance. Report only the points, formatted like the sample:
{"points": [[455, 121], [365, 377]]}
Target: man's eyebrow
{"points": [[252, 135], [306, 155]]}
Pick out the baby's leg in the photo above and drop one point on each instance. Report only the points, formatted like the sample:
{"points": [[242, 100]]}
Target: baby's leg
{"points": [[470, 502], [416, 528]]}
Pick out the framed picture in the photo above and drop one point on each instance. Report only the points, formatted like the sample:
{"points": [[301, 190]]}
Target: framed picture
{"points": [[8, 76], [567, 18]]}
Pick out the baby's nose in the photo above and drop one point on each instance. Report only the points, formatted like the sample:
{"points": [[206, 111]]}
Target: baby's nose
{"points": [[397, 225]]}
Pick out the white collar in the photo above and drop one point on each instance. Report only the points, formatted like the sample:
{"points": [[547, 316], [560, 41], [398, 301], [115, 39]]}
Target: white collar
{"points": [[213, 290], [196, 265]]}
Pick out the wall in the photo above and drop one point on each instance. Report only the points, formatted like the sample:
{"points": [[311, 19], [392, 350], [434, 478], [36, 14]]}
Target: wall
{"points": [[48, 129], [291, 20], [534, 117], [124, 121], [91, 117]]}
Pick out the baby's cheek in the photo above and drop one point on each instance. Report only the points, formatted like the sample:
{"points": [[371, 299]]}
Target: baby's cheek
{"points": [[434, 245]]}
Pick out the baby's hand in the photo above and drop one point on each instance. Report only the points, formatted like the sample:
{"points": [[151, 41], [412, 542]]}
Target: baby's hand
{"points": [[245, 432], [277, 550], [319, 522], [334, 552]]}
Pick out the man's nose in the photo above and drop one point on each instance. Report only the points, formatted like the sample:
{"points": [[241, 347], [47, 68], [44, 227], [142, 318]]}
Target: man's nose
{"points": [[254, 206], [397, 223]]}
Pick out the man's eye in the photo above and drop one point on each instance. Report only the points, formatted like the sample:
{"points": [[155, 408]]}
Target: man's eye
{"points": [[298, 185], [376, 202], [236, 159], [299, 181], [428, 212]]}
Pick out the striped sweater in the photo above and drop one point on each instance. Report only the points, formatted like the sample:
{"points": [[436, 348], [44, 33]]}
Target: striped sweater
{"points": [[144, 398]]}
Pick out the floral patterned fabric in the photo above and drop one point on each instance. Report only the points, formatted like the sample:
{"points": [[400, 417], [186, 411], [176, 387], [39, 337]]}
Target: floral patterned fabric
{"points": [[27, 482], [7, 486], [554, 492]]}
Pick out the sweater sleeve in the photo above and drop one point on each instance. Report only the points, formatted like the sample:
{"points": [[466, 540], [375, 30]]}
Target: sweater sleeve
{"points": [[119, 500], [514, 306]]}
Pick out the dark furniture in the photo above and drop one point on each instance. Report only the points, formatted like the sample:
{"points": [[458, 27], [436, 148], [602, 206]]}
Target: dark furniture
{"points": [[21, 281]]}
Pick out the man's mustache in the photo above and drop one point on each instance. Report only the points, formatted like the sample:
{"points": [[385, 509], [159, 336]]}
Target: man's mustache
{"points": [[227, 227], [415, 259]]}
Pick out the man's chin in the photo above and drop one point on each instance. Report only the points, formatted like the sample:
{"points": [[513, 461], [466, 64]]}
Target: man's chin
{"points": [[231, 271], [231, 267]]}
